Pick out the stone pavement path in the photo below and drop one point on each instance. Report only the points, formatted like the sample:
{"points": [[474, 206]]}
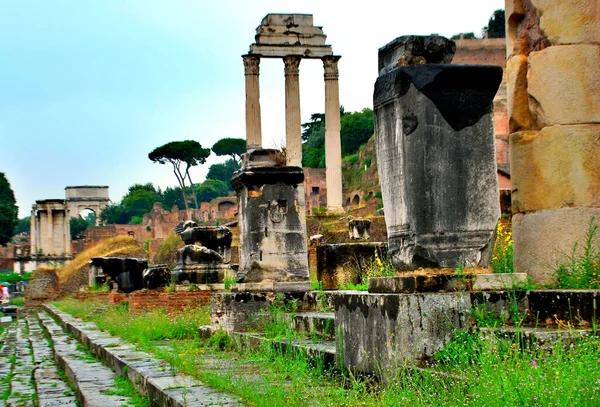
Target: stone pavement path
{"points": [[42, 365]]}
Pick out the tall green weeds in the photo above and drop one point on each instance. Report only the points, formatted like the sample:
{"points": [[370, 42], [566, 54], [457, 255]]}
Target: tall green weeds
{"points": [[581, 267]]}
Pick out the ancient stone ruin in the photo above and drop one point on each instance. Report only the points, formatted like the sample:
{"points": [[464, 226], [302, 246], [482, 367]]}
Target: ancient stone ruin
{"points": [[272, 221], [553, 75], [293, 37], [125, 272], [206, 255], [436, 155]]}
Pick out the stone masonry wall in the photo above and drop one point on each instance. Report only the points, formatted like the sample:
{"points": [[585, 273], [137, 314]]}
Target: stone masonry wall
{"points": [[553, 75]]}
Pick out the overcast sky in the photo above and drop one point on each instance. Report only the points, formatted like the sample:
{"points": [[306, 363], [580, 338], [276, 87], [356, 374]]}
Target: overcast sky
{"points": [[88, 88]]}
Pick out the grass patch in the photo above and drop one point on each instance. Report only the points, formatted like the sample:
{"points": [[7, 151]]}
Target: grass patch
{"points": [[18, 301], [125, 388], [471, 370]]}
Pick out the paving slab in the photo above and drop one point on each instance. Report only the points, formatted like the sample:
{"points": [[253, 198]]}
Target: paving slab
{"points": [[92, 379]]}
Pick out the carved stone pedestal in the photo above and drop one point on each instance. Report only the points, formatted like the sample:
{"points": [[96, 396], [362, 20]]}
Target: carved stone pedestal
{"points": [[272, 222]]}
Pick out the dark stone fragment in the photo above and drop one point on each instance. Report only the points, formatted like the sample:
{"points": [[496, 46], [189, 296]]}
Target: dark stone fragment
{"points": [[410, 50], [126, 272], [409, 124], [156, 276], [462, 93]]}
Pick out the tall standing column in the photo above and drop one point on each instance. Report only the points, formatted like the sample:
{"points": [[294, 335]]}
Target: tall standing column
{"points": [[293, 127], [253, 123], [50, 228], [33, 233], [67, 232], [333, 145]]}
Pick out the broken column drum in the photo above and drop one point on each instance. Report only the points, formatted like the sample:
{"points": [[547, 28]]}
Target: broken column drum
{"points": [[436, 161], [272, 222], [205, 257]]}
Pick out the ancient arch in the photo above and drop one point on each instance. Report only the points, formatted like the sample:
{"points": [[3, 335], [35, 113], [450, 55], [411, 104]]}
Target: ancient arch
{"points": [[92, 197]]}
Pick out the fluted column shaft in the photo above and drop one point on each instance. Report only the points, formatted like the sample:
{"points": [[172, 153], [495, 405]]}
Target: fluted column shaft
{"points": [[50, 230], [32, 233], [253, 121], [293, 128], [333, 145]]}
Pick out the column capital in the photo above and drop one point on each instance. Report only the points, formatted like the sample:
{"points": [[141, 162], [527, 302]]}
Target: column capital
{"points": [[251, 64], [330, 65], [292, 65]]}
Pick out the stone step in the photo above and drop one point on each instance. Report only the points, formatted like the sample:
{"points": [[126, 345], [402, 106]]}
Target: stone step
{"points": [[52, 390], [92, 379], [313, 324], [540, 336], [314, 350], [152, 377]]}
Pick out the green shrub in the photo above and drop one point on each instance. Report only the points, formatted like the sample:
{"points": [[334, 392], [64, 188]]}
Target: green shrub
{"points": [[14, 277], [136, 220], [167, 251], [367, 162], [350, 159], [581, 268]]}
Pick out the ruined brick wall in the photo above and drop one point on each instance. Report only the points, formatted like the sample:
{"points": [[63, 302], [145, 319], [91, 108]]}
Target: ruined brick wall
{"points": [[315, 189], [553, 76]]}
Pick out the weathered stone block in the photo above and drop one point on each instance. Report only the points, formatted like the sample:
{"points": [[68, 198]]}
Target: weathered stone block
{"points": [[156, 276], [339, 264], [517, 96], [569, 22], [410, 50], [436, 163], [126, 272], [381, 332], [272, 220], [545, 238], [217, 238], [564, 84], [523, 32], [556, 168], [235, 312]]}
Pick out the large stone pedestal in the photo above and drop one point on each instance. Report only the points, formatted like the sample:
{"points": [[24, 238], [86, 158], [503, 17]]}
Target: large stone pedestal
{"points": [[272, 220], [205, 257], [436, 162]]}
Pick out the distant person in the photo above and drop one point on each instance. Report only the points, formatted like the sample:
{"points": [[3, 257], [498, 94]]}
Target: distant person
{"points": [[5, 294]]}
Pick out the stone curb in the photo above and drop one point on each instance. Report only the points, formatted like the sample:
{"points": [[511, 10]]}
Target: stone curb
{"points": [[91, 379], [151, 377]]}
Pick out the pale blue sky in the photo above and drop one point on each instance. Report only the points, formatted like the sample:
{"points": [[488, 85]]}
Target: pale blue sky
{"points": [[88, 88]]}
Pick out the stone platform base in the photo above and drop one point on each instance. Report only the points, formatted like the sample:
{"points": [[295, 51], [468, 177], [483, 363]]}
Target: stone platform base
{"points": [[276, 287], [446, 282]]}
